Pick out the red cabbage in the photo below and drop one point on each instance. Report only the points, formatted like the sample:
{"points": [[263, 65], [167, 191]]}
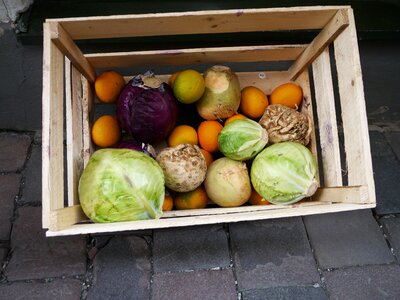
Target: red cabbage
{"points": [[147, 109]]}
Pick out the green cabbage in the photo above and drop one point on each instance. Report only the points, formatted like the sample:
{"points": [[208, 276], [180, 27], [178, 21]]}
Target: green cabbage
{"points": [[242, 139], [284, 173], [121, 185]]}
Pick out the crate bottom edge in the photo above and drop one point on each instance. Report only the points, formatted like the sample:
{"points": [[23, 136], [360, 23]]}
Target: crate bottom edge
{"points": [[92, 228]]}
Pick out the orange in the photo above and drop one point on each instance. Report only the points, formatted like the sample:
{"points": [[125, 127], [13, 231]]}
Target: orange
{"points": [[253, 102], [168, 203], [172, 78], [208, 135], [182, 134], [289, 94], [234, 117], [191, 200], [208, 156], [189, 86], [257, 199], [108, 85], [106, 131]]}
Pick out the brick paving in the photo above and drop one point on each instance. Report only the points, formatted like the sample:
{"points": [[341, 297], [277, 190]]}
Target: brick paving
{"points": [[391, 226], [369, 282], [32, 188], [192, 248], [272, 253], [196, 285], [347, 239], [9, 184], [122, 269], [13, 151], [65, 289], [287, 293], [386, 167], [333, 256], [34, 256]]}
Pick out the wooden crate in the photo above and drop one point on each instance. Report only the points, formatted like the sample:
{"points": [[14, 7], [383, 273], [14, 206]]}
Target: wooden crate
{"points": [[68, 101]]}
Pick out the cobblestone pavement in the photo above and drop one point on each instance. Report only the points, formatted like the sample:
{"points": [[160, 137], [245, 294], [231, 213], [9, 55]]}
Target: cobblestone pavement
{"points": [[349, 255]]}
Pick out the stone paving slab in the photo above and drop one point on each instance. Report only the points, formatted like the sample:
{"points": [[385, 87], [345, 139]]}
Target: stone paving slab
{"points": [[368, 282], [347, 239], [190, 248], [386, 174], [9, 188], [34, 256], [122, 270], [272, 253], [286, 293], [392, 229], [65, 289], [194, 285], [13, 151], [32, 189]]}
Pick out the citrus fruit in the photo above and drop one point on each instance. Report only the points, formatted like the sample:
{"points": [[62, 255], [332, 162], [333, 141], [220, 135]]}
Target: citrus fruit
{"points": [[253, 102], [182, 134], [257, 199], [191, 200], [188, 86], [108, 85], [168, 203], [234, 117], [106, 131], [208, 156], [208, 135], [289, 94], [172, 78]]}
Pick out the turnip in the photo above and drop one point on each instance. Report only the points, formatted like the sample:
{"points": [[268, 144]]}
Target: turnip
{"points": [[227, 182], [221, 98]]}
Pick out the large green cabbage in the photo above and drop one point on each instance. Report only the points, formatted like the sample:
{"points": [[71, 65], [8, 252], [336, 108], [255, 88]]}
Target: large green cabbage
{"points": [[284, 173], [121, 185], [242, 139]]}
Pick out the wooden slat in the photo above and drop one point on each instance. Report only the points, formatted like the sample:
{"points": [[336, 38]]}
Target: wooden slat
{"points": [[353, 194], [335, 26], [197, 22], [328, 133], [52, 128], [354, 116], [67, 46], [342, 194], [306, 107], [74, 133], [217, 55], [210, 219], [65, 217], [87, 115]]}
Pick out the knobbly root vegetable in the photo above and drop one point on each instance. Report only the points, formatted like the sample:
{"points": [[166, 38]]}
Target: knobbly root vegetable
{"points": [[184, 167], [286, 124]]}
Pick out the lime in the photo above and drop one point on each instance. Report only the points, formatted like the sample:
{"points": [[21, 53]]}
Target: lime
{"points": [[188, 86]]}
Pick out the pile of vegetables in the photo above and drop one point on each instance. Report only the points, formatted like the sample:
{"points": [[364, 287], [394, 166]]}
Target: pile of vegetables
{"points": [[264, 156]]}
